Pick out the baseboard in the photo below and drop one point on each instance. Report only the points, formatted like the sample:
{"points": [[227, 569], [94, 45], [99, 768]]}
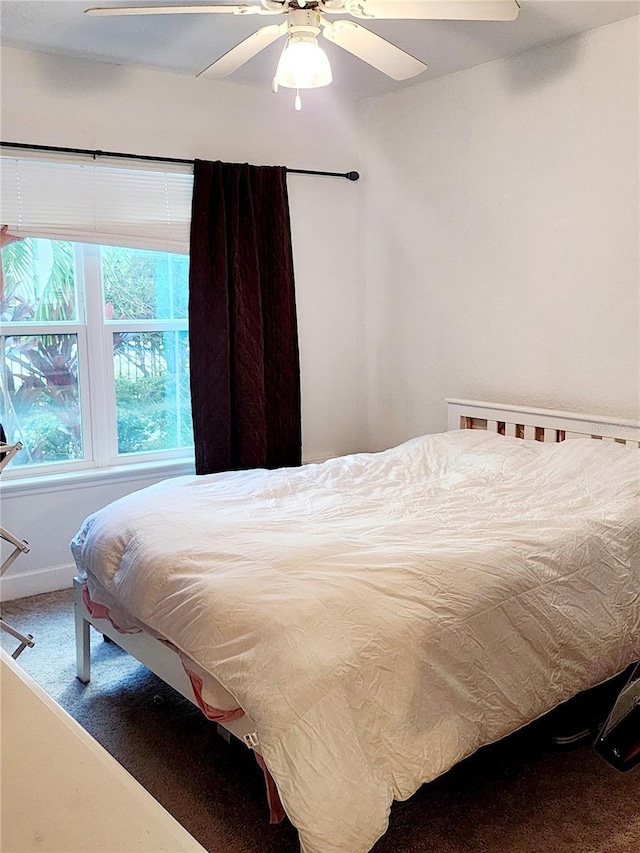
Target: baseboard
{"points": [[37, 581]]}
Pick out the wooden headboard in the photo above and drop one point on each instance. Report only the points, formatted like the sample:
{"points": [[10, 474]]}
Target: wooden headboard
{"points": [[539, 424]]}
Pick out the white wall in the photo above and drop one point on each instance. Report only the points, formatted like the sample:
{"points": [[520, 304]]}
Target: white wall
{"points": [[499, 223], [52, 100]]}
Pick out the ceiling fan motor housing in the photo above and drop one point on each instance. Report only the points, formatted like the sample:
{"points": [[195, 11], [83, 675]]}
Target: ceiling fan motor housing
{"points": [[304, 21]]}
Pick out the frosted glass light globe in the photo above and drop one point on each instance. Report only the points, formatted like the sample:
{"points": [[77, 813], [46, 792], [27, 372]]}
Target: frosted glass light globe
{"points": [[303, 64]]}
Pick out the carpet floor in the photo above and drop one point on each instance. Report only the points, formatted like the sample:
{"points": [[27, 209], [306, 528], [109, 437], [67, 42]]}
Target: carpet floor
{"points": [[517, 796]]}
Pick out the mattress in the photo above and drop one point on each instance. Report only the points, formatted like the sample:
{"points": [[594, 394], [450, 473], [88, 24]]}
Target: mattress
{"points": [[381, 616]]}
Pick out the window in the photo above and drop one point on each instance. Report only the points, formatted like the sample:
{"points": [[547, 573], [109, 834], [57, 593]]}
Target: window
{"points": [[95, 352], [145, 314], [95, 368]]}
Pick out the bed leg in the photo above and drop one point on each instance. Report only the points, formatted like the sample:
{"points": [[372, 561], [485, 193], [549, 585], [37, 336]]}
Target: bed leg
{"points": [[224, 733], [83, 643], [83, 649]]}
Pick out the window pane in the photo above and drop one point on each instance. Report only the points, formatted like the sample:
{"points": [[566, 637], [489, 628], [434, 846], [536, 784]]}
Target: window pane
{"points": [[152, 391], [144, 285], [39, 282], [41, 397]]}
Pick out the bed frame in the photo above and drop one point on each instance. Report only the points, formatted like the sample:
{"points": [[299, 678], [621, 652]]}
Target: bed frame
{"points": [[520, 422], [539, 424]]}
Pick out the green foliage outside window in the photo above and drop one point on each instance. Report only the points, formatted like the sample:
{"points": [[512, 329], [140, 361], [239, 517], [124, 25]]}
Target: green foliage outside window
{"points": [[144, 285], [40, 377], [40, 388]]}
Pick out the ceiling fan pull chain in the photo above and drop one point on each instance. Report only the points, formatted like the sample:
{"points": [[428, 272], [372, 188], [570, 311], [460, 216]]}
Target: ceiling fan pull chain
{"points": [[298, 101]]}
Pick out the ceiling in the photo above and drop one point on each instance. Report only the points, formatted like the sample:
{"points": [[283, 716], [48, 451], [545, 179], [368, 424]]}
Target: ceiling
{"points": [[188, 43]]}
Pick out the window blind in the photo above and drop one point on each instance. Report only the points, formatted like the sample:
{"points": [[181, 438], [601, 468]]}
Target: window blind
{"points": [[91, 202]]}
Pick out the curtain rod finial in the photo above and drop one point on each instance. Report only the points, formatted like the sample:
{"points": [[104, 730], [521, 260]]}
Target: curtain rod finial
{"points": [[352, 176]]}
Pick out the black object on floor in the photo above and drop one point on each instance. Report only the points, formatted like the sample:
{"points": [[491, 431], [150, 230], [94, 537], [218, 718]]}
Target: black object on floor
{"points": [[619, 739]]}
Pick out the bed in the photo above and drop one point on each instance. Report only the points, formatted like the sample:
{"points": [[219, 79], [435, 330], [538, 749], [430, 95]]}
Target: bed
{"points": [[367, 622]]}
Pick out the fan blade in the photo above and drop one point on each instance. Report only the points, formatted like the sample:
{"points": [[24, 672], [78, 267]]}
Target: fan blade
{"points": [[211, 9], [244, 51], [375, 50], [444, 10]]}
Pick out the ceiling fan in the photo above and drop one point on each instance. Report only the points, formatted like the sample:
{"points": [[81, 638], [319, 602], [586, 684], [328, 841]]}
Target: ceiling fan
{"points": [[303, 64]]}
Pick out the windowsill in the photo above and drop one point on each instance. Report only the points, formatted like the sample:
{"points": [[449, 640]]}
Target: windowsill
{"points": [[51, 482], [89, 477]]}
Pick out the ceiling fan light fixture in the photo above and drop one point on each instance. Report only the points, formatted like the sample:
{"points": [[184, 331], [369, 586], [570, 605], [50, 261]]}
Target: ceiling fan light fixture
{"points": [[303, 63]]}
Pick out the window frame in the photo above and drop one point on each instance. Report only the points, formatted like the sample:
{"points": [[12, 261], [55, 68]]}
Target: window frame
{"points": [[96, 374]]}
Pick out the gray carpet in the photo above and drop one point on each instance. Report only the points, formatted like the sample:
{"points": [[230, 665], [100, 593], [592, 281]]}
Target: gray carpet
{"points": [[518, 796]]}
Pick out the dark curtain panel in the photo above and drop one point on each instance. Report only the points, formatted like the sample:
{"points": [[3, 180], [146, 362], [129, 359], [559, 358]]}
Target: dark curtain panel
{"points": [[244, 364]]}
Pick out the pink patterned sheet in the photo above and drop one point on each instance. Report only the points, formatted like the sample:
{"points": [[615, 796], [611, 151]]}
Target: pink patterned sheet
{"points": [[217, 715]]}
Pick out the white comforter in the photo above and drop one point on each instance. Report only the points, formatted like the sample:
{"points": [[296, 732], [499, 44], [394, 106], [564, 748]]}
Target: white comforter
{"points": [[381, 616]]}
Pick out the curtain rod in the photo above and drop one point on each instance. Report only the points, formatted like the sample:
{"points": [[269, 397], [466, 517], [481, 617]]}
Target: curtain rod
{"points": [[350, 176]]}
